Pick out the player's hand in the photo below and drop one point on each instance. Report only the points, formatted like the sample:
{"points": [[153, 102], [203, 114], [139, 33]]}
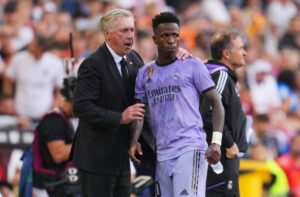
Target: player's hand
{"points": [[182, 53], [232, 151], [215, 154], [133, 112], [135, 147]]}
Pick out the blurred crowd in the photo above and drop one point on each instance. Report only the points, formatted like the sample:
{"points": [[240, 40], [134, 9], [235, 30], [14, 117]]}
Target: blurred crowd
{"points": [[34, 49]]}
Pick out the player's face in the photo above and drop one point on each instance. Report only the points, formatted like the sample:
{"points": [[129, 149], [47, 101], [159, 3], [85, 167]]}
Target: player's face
{"points": [[166, 37], [120, 37], [238, 53]]}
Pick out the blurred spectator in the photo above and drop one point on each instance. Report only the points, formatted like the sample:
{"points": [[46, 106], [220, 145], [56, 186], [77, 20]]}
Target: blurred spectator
{"points": [[297, 81], [278, 185], [264, 136], [47, 26], [42, 7], [254, 18], [94, 11], [216, 11], [147, 49], [244, 90], [194, 25], [290, 163], [287, 91], [289, 58], [279, 14], [263, 85], [2, 4], [94, 39], [291, 38], [37, 89], [23, 33], [72, 7], [63, 27], [14, 168], [6, 40], [236, 16], [80, 49], [6, 189]]}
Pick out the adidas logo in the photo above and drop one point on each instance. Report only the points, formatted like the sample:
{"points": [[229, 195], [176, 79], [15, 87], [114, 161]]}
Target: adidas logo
{"points": [[149, 80], [184, 193]]}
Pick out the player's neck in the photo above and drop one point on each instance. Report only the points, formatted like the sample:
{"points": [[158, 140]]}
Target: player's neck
{"points": [[162, 61]]}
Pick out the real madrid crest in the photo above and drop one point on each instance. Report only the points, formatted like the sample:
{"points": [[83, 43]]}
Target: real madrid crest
{"points": [[149, 74], [176, 75]]}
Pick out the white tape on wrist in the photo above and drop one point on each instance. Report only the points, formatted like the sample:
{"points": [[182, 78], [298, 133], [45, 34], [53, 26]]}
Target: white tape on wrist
{"points": [[217, 137]]}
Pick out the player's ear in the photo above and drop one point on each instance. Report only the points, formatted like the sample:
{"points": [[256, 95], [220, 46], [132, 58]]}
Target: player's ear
{"points": [[154, 39]]}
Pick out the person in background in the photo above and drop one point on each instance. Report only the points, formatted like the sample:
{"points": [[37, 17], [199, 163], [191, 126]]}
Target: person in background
{"points": [[289, 162], [55, 136], [38, 89], [278, 184], [228, 53]]}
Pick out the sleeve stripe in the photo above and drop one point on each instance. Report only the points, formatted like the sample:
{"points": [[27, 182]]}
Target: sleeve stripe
{"points": [[221, 82]]}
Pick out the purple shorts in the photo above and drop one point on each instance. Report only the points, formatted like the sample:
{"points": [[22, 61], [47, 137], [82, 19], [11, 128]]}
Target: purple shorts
{"points": [[184, 176]]}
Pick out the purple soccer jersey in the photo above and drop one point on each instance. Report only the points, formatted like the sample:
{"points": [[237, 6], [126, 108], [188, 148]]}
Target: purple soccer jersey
{"points": [[172, 92]]}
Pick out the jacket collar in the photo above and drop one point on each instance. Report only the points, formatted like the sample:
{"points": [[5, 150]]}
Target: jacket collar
{"points": [[116, 57], [214, 65]]}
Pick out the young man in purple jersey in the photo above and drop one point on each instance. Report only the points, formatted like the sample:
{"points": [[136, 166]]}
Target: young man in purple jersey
{"points": [[171, 88]]}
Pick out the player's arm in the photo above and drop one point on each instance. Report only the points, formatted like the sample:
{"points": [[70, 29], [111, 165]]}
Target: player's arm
{"points": [[218, 123], [136, 128]]}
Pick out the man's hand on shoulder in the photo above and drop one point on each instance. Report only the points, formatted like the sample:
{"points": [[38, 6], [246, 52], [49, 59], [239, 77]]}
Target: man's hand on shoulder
{"points": [[232, 151], [133, 112], [183, 54]]}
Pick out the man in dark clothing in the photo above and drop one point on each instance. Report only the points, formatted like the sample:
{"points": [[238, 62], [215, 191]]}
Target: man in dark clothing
{"points": [[228, 54], [53, 141], [103, 101]]}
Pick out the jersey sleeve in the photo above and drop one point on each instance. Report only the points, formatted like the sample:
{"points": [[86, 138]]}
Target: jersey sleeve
{"points": [[140, 91], [202, 78]]}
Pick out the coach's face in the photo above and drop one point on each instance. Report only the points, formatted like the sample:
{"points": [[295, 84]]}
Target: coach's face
{"points": [[238, 53], [166, 37], [120, 36]]}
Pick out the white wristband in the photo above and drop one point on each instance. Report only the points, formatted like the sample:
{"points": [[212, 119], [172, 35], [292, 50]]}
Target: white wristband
{"points": [[217, 137]]}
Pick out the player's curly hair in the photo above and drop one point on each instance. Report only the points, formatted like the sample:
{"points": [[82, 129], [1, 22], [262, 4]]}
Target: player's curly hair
{"points": [[164, 17]]}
